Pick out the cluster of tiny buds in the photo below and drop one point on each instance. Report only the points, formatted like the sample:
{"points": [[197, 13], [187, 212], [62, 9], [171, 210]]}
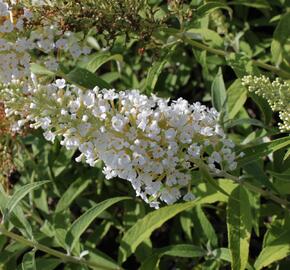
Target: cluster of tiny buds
{"points": [[277, 93], [152, 142]]}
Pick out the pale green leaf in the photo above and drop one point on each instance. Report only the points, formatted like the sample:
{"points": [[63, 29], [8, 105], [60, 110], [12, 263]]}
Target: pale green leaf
{"points": [[236, 98], [207, 8], [259, 4], [280, 39], [70, 194], [95, 61], [47, 263], [17, 217], [287, 155], [20, 194], [239, 224], [85, 78], [209, 36], [145, 226], [275, 251], [184, 251], [153, 74], [204, 226], [218, 91], [254, 152], [83, 222], [101, 258], [40, 70], [28, 261]]}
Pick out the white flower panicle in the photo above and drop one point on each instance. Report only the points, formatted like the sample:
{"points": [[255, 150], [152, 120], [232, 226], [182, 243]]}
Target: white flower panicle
{"points": [[149, 141], [277, 93]]}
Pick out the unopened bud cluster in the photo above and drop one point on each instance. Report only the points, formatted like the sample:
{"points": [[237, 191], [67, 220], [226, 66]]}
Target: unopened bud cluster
{"points": [[149, 141], [277, 93]]}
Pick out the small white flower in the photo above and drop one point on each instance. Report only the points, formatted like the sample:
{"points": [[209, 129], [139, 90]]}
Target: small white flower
{"points": [[60, 83], [48, 135]]}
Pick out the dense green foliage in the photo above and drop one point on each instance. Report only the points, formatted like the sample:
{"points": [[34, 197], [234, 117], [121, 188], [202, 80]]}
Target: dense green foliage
{"points": [[60, 214]]}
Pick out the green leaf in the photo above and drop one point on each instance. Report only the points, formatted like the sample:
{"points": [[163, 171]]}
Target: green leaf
{"points": [[208, 177], [186, 224], [210, 7], [236, 98], [11, 253], [255, 152], [17, 217], [239, 226], [85, 78], [209, 36], [70, 194], [40, 70], [153, 74], [218, 91], [241, 64], [287, 155], [275, 251], [184, 251], [205, 189], [263, 106], [225, 255], [20, 194], [255, 4], [256, 171], [145, 226], [28, 261], [280, 39], [203, 226], [110, 76], [245, 121], [97, 60], [83, 222], [101, 259], [47, 263]]}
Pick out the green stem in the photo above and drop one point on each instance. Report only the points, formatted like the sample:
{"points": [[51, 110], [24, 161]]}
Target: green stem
{"points": [[258, 63], [52, 252]]}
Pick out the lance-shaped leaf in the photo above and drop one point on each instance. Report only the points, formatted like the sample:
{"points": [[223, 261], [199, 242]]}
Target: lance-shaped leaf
{"points": [[71, 193], [145, 226], [239, 224], [20, 194], [83, 222], [184, 251]]}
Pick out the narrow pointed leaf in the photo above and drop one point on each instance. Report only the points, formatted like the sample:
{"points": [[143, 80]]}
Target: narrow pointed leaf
{"points": [[239, 225], [83, 222], [184, 251], [153, 75], [28, 262], [145, 226], [97, 60], [71, 193], [20, 194], [218, 91], [85, 78], [275, 251], [255, 152]]}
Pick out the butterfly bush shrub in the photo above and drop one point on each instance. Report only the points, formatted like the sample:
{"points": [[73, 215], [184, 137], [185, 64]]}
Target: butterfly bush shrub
{"points": [[195, 135]]}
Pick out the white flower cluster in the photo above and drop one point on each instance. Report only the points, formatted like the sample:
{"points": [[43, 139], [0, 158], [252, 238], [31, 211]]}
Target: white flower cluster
{"points": [[16, 44], [277, 93], [149, 141]]}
